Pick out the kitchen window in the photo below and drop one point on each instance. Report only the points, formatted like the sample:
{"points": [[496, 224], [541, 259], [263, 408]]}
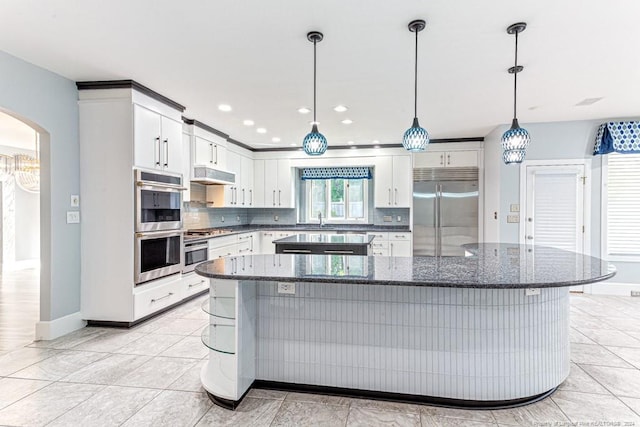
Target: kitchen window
{"points": [[338, 199], [621, 204]]}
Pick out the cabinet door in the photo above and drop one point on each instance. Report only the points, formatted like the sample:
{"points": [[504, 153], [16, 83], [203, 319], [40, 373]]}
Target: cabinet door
{"points": [[146, 131], [402, 181], [246, 196], [462, 159], [285, 184], [171, 145], [399, 248], [383, 182], [203, 152], [271, 183], [430, 159], [231, 196], [187, 170], [266, 242], [258, 193]]}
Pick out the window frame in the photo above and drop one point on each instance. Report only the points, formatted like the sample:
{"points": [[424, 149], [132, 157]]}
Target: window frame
{"points": [[329, 220], [604, 223]]}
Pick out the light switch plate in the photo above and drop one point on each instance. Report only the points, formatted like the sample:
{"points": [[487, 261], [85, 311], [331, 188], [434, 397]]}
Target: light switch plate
{"points": [[73, 217], [513, 218], [515, 207], [75, 201]]}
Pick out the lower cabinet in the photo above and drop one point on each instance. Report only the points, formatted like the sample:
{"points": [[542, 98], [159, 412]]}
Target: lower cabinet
{"points": [[193, 284], [391, 244], [148, 301]]}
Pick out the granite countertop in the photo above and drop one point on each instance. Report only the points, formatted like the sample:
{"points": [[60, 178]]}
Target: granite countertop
{"points": [[326, 239], [489, 266]]}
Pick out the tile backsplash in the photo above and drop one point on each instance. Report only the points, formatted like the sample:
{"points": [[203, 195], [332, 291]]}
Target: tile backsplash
{"points": [[394, 213]]}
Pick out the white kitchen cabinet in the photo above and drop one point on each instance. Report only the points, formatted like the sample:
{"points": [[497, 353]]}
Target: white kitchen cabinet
{"points": [[157, 140], [393, 182], [444, 159], [391, 243], [278, 184], [208, 153], [259, 191], [245, 191]]}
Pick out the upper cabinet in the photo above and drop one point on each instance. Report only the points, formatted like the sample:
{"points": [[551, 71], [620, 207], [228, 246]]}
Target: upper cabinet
{"points": [[157, 140], [208, 153], [241, 193], [278, 184], [444, 159], [393, 182]]}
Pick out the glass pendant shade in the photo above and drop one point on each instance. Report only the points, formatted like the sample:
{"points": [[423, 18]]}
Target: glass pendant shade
{"points": [[514, 144], [314, 144], [415, 138]]}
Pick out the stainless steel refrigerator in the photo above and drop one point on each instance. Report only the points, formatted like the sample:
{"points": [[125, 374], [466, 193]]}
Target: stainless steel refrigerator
{"points": [[445, 210]]}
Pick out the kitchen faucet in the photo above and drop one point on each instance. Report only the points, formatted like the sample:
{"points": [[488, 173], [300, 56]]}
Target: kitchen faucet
{"points": [[320, 218]]}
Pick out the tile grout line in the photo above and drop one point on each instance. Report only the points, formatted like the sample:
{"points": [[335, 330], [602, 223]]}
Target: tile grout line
{"points": [[606, 388]]}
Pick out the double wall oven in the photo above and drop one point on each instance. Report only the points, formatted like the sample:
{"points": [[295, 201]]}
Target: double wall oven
{"points": [[158, 231]]}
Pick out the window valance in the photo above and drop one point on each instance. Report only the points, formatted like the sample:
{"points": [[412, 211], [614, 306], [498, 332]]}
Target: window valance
{"points": [[351, 172], [619, 137]]}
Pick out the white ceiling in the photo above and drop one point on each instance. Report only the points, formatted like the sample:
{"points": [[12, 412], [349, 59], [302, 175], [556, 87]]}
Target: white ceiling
{"points": [[14, 133], [254, 56]]}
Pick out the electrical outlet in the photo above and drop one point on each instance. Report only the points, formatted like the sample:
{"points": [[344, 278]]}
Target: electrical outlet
{"points": [[73, 217], [513, 218], [75, 201], [276, 217], [635, 293], [387, 218], [238, 218], [531, 292], [515, 207], [286, 288], [222, 218]]}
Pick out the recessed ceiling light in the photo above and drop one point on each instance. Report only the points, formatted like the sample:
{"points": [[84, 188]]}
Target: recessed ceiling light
{"points": [[261, 130], [340, 108], [248, 122], [293, 144], [304, 110], [588, 101], [350, 142], [347, 121], [354, 147], [535, 107], [375, 141], [314, 123], [224, 107], [376, 146], [275, 139]]}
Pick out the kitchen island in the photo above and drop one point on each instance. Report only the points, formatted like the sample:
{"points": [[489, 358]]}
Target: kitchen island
{"points": [[487, 330]]}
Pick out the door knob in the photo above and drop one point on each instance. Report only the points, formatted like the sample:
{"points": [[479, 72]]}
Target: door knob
{"points": [[529, 237]]}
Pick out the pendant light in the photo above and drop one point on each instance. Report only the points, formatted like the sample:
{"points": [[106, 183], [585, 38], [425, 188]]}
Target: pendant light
{"points": [[416, 138], [516, 140], [314, 144]]}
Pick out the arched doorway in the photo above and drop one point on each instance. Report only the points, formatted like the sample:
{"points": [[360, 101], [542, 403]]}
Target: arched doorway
{"points": [[20, 243]]}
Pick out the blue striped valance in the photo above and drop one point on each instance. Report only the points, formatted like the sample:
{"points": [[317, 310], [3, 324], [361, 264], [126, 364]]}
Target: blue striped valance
{"points": [[619, 137], [351, 172]]}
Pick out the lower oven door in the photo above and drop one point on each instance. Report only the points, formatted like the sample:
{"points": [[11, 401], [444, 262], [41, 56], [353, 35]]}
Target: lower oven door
{"points": [[194, 254], [157, 254]]}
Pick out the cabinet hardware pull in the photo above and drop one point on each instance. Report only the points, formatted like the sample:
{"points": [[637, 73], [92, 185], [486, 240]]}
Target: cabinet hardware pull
{"points": [[396, 196], [166, 152], [243, 197], [158, 152], [442, 159], [274, 197], [330, 251], [448, 159], [216, 148], [391, 250], [296, 251], [196, 284], [158, 299], [389, 196], [250, 197], [279, 197], [211, 158]]}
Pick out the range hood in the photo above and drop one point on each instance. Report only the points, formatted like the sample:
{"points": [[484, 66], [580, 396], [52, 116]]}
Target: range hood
{"points": [[209, 176]]}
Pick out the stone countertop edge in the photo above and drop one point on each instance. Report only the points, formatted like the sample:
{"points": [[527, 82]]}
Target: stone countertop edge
{"points": [[240, 229]]}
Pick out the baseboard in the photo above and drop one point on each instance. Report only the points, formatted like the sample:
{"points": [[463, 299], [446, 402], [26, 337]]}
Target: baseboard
{"points": [[612, 288], [48, 330]]}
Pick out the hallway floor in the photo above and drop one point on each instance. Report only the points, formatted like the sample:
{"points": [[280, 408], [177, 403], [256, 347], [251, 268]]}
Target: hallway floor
{"points": [[149, 376], [19, 307]]}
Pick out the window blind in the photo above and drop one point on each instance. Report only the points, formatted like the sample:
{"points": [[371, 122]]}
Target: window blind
{"points": [[352, 172], [623, 204]]}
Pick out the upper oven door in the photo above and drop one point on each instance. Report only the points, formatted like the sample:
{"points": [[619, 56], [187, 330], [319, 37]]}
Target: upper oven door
{"points": [[158, 201]]}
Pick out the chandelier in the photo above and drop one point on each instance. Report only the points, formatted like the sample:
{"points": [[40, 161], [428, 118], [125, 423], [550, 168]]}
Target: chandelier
{"points": [[24, 168]]}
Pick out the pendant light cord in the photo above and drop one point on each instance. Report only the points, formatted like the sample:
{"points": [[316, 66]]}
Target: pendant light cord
{"points": [[314, 81], [415, 81], [515, 79]]}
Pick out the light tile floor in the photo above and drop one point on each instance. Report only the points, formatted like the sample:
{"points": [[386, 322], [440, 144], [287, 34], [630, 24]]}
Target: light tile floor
{"points": [[149, 376]]}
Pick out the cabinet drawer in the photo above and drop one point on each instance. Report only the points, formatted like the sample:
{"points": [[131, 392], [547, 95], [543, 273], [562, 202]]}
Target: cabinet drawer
{"points": [[218, 242], [154, 299], [223, 251], [379, 252], [399, 236], [192, 284], [379, 236]]}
